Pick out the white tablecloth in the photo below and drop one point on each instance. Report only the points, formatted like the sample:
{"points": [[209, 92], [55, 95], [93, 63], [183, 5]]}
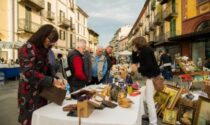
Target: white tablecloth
{"points": [[53, 114]]}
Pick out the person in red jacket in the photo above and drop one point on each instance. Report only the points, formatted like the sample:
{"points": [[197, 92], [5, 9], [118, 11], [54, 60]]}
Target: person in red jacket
{"points": [[78, 79]]}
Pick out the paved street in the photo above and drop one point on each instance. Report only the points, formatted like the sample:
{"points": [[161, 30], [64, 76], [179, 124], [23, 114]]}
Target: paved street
{"points": [[8, 103]]}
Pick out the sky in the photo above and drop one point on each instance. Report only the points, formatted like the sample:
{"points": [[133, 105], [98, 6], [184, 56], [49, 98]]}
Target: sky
{"points": [[106, 16]]}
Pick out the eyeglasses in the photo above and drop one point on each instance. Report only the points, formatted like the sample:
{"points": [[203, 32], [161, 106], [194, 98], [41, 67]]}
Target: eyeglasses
{"points": [[51, 41]]}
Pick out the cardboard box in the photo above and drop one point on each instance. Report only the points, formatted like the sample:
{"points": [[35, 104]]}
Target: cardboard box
{"points": [[84, 108]]}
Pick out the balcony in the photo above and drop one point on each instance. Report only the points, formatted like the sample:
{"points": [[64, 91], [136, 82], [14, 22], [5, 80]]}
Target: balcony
{"points": [[72, 27], [158, 19], [140, 24], [64, 23], [151, 26], [153, 5], [27, 26], [37, 4], [147, 15], [49, 15], [146, 32], [163, 1], [170, 12]]}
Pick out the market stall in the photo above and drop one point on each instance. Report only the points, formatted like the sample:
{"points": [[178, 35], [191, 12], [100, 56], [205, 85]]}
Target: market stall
{"points": [[53, 114]]}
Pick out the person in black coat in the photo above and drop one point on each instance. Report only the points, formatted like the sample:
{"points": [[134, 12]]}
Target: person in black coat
{"points": [[144, 56]]}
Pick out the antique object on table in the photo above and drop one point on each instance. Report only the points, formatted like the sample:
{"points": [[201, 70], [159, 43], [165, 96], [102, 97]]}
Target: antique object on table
{"points": [[84, 108], [114, 92], [125, 102], [82, 94], [122, 94], [135, 93], [170, 116], [135, 86], [109, 104], [186, 114], [202, 116], [54, 94], [70, 107], [161, 100], [207, 87], [129, 89], [106, 91], [174, 93]]}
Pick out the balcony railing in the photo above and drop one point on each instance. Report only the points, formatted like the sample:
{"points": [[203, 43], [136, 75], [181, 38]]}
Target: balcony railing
{"points": [[49, 15], [170, 12], [147, 15], [153, 4], [64, 23], [146, 31], [27, 26], [38, 4], [158, 19], [140, 24], [163, 1]]}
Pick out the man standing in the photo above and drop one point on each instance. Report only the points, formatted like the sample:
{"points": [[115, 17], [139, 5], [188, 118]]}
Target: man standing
{"points": [[108, 55], [78, 79], [87, 59], [165, 64], [99, 67]]}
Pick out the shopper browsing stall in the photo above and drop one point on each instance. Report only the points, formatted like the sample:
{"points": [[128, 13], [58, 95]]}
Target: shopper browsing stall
{"points": [[35, 72], [144, 56]]}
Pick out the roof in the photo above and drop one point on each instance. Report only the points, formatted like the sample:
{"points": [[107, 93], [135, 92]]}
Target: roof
{"points": [[93, 32], [82, 11], [140, 16]]}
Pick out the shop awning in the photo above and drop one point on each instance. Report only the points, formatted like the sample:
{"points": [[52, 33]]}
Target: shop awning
{"points": [[192, 36]]}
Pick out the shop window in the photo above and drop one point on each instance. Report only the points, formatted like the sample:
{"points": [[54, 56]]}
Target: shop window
{"points": [[203, 26], [202, 1]]}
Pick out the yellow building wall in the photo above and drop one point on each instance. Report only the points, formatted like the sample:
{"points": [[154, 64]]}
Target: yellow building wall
{"points": [[4, 33], [191, 8], [179, 17]]}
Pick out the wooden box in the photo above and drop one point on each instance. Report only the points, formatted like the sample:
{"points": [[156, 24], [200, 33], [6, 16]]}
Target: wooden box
{"points": [[84, 108]]}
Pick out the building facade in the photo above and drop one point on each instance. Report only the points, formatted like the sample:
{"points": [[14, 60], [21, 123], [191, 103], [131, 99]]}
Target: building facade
{"points": [[119, 35], [21, 18], [195, 39], [158, 21], [81, 25], [93, 40]]}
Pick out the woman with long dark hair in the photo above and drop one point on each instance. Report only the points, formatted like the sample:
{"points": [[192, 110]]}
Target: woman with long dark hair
{"points": [[35, 72], [144, 56]]}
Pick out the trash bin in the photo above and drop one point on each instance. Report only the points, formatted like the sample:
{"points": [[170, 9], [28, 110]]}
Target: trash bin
{"points": [[2, 78]]}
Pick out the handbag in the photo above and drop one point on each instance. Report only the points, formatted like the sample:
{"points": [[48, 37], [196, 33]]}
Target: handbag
{"points": [[158, 83], [54, 94]]}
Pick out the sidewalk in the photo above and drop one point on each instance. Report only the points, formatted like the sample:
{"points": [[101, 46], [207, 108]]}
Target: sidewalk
{"points": [[8, 103]]}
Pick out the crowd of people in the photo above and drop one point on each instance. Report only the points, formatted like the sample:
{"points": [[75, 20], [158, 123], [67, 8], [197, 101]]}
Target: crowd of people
{"points": [[39, 68]]}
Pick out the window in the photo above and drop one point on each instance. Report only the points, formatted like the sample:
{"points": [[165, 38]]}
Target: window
{"points": [[62, 15], [173, 28], [78, 28], [203, 26], [84, 31], [71, 41], [78, 16], [62, 34], [84, 20], [48, 6], [202, 1]]}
